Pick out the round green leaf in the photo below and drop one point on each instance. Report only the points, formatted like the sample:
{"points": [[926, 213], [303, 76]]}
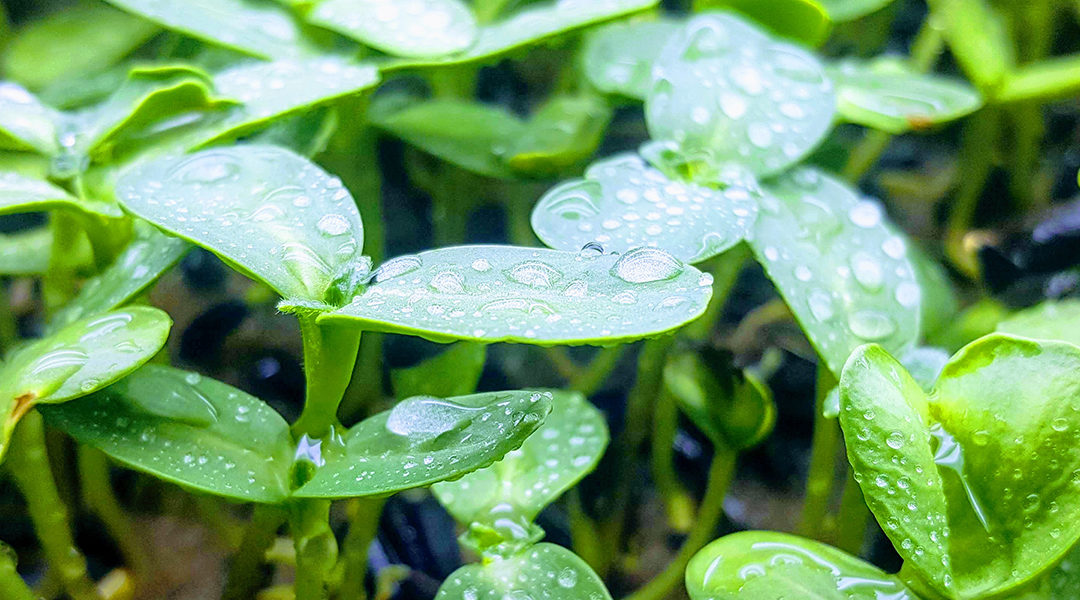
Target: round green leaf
{"points": [[187, 429], [26, 123], [1051, 320], [423, 440], [618, 58], [623, 203], [19, 194], [81, 358], [541, 571], [841, 268], [762, 565], [416, 28], [510, 294], [453, 372], [561, 134], [272, 213], [552, 460], [725, 91], [848, 10], [888, 95]]}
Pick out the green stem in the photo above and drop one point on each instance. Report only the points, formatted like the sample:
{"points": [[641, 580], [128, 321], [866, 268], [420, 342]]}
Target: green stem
{"points": [[245, 574], [725, 270], [585, 538], [590, 380], [98, 495], [853, 518], [709, 513], [821, 477], [680, 506], [12, 586], [979, 143], [316, 547], [29, 464], [58, 285], [364, 516], [329, 355]]}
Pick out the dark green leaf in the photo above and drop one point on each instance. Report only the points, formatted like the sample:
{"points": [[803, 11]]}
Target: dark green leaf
{"points": [[26, 123], [423, 440], [563, 133], [618, 58], [187, 429], [414, 28], [511, 294], [1051, 320], [453, 372], [541, 571]]}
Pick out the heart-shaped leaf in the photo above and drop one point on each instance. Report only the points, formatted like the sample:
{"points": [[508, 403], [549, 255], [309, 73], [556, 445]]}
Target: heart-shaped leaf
{"points": [[272, 213], [541, 571], [725, 92], [618, 58], [468, 134], [848, 10], [841, 268], [415, 28], [759, 565], [1051, 320], [26, 123], [142, 262], [562, 451], [73, 42], [623, 203], [561, 134], [26, 252], [187, 429], [804, 21], [423, 440], [255, 28], [81, 358], [888, 95], [453, 372], [509, 294], [19, 194]]}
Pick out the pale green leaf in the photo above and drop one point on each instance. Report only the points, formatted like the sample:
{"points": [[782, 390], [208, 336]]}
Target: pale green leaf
{"points": [[413, 28]]}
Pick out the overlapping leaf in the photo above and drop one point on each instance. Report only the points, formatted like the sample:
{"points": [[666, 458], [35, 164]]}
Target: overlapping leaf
{"points": [[562, 133], [19, 193], [618, 58], [453, 372], [414, 28], [541, 571], [1051, 320], [25, 122]]}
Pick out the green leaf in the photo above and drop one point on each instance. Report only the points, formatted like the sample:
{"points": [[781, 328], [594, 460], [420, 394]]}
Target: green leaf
{"points": [[417, 28], [271, 91], [734, 412], [541, 571], [563, 133], [73, 42], [186, 429], [618, 58], [77, 360], [20, 194], [26, 252], [468, 134], [423, 440], [141, 263], [888, 95], [762, 565], [623, 203], [1065, 578], [510, 294], [886, 422], [1051, 320], [563, 450], [804, 21], [725, 92], [26, 123], [841, 268], [453, 372], [849, 10], [255, 28], [940, 305], [274, 214], [978, 39]]}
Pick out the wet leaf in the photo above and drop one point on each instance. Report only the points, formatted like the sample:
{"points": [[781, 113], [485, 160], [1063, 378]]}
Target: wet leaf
{"points": [[255, 28], [804, 21], [25, 122], [887, 94], [511, 294], [272, 213], [81, 358], [760, 565], [541, 571], [423, 440], [841, 268], [26, 252], [848, 10], [560, 453], [623, 203], [453, 372], [73, 42], [414, 28], [20, 194], [618, 58], [1051, 320], [562, 133], [725, 92], [187, 429]]}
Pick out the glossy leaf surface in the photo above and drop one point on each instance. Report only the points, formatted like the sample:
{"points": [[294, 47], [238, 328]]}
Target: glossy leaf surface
{"points": [[423, 440], [761, 565], [726, 92], [19, 193], [888, 95], [804, 21], [1050, 320], [187, 429], [416, 28], [541, 571], [561, 134], [618, 58], [841, 268], [271, 212], [623, 203], [562, 451], [453, 372], [25, 122], [512, 294]]}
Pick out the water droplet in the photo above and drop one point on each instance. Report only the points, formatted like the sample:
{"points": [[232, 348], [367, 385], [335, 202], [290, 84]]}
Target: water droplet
{"points": [[396, 267], [535, 273], [333, 225], [871, 325], [645, 265]]}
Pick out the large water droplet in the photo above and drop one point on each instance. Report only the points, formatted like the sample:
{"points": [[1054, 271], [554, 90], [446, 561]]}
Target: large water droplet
{"points": [[396, 267], [535, 273], [645, 265]]}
